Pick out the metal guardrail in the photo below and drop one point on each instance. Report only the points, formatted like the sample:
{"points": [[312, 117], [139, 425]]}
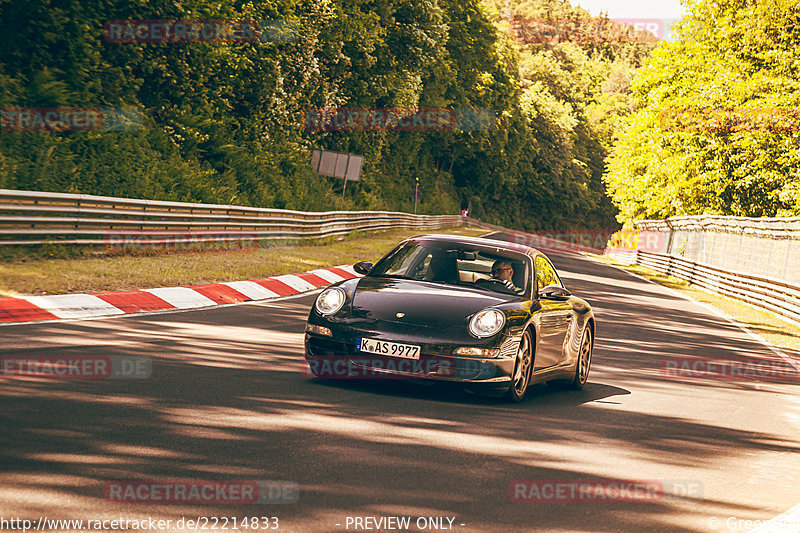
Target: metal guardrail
{"points": [[751, 259], [766, 247], [622, 255], [32, 217], [776, 296]]}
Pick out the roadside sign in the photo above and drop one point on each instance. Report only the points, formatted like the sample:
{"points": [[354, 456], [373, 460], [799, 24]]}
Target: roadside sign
{"points": [[337, 165]]}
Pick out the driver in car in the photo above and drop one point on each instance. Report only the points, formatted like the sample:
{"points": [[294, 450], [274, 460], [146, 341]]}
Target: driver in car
{"points": [[503, 272]]}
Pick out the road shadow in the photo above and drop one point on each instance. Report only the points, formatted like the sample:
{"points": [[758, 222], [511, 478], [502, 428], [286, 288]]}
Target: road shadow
{"points": [[229, 399]]}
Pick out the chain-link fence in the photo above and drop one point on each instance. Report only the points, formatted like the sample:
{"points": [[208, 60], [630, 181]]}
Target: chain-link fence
{"points": [[753, 259], [763, 247]]}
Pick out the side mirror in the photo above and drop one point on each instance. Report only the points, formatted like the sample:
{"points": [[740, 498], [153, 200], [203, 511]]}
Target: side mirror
{"points": [[363, 267], [554, 292]]}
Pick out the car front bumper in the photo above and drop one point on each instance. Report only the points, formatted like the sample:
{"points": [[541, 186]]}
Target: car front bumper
{"points": [[336, 356]]}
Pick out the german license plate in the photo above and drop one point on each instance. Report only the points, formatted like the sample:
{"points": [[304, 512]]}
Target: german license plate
{"points": [[391, 349]]}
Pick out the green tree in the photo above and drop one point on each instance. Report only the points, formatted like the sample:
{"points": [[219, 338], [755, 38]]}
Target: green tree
{"points": [[716, 130]]}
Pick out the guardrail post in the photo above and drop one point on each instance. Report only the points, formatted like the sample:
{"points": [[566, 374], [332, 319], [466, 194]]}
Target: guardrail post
{"points": [[670, 236]]}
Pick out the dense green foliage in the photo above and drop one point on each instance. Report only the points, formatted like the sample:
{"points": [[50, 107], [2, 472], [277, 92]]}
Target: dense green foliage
{"points": [[224, 121], [717, 129]]}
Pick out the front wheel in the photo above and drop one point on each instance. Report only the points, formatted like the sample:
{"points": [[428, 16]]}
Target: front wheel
{"points": [[584, 360], [522, 370]]}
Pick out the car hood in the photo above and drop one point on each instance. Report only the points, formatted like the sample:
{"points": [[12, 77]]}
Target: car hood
{"points": [[422, 303]]}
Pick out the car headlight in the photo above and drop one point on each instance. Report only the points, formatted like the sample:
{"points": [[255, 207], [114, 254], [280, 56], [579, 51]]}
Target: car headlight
{"points": [[486, 323], [330, 301]]}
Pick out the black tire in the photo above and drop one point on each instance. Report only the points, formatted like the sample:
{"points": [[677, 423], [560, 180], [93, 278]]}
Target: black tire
{"points": [[521, 378], [584, 362]]}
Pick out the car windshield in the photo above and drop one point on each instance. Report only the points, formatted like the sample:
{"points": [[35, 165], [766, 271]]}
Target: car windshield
{"points": [[456, 264]]}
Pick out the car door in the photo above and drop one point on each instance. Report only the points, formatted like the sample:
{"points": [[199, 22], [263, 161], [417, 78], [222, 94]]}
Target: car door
{"points": [[555, 317]]}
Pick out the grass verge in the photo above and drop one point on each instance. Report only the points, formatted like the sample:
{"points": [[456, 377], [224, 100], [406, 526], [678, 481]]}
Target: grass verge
{"points": [[26, 276], [776, 331]]}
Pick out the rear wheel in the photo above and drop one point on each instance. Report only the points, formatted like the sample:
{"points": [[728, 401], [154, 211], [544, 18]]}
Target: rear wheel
{"points": [[522, 370], [584, 360]]}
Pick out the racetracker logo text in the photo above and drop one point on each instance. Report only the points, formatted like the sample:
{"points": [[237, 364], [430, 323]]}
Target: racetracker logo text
{"points": [[63, 119], [602, 490], [577, 240], [399, 119], [76, 367], [746, 368], [388, 368], [122, 242], [776, 120], [200, 31], [589, 30], [179, 31], [202, 492]]}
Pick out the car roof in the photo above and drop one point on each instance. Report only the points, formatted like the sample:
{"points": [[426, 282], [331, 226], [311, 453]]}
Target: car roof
{"points": [[480, 241]]}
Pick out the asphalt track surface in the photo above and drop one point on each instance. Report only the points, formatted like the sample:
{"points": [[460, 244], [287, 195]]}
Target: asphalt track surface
{"points": [[229, 398]]}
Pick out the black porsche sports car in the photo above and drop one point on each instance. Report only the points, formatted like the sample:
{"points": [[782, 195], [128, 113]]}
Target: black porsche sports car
{"points": [[472, 310]]}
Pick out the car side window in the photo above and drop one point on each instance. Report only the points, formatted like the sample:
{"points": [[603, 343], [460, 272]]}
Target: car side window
{"points": [[545, 274], [421, 268]]}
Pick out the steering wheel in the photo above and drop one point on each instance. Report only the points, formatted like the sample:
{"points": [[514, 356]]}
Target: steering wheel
{"points": [[496, 285]]}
